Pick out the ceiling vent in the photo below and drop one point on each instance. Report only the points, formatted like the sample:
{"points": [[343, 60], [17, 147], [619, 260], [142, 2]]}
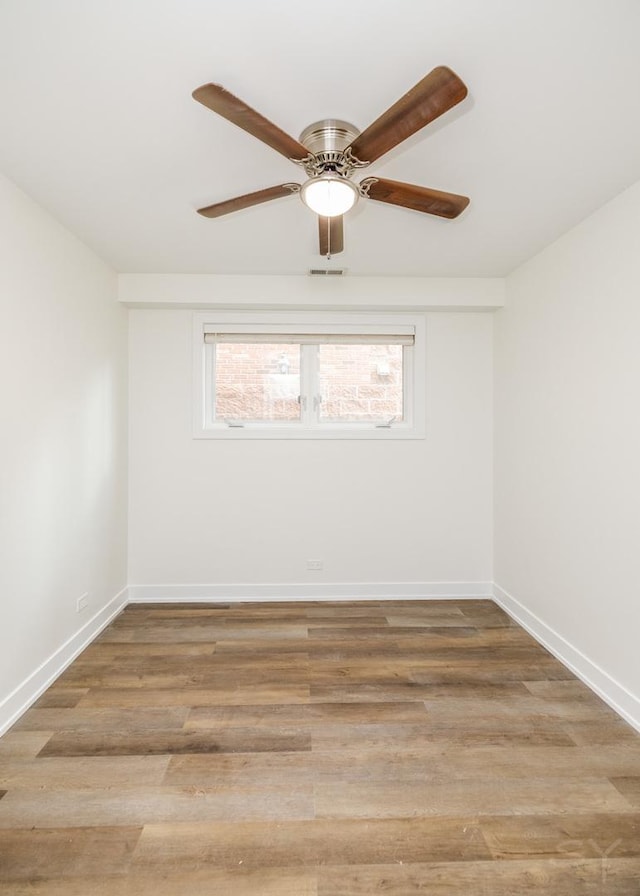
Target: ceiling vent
{"points": [[321, 272]]}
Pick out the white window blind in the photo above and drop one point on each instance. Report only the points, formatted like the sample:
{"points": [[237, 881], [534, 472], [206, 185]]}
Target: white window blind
{"points": [[310, 338]]}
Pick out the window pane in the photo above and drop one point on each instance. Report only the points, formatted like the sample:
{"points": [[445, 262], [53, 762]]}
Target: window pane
{"points": [[361, 383], [257, 382]]}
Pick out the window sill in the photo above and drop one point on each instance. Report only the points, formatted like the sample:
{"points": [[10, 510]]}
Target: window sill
{"points": [[370, 432]]}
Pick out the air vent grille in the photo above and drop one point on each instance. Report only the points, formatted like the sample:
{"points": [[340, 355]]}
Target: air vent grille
{"points": [[321, 272]]}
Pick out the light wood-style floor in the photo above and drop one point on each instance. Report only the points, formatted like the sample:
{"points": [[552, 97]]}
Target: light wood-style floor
{"points": [[318, 749]]}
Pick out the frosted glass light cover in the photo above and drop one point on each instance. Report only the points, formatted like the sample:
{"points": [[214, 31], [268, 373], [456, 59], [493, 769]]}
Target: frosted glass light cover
{"points": [[329, 196]]}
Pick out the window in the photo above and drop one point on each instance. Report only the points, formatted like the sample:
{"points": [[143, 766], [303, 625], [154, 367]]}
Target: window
{"points": [[308, 376]]}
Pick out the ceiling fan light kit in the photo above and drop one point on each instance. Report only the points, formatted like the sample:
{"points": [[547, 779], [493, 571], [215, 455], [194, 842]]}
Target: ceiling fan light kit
{"points": [[331, 150], [329, 195]]}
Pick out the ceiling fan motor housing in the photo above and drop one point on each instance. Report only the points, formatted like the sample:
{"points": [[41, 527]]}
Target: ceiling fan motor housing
{"points": [[327, 141]]}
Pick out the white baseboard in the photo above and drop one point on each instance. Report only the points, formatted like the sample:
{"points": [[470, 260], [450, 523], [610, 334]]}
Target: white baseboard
{"points": [[28, 692], [611, 691], [331, 591]]}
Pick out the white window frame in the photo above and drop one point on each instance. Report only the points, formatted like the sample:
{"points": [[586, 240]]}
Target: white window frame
{"points": [[281, 323]]}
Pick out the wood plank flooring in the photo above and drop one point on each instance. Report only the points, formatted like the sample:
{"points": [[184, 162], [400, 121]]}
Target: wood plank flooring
{"points": [[317, 749]]}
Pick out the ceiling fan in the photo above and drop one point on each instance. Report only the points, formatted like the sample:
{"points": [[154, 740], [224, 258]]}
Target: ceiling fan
{"points": [[331, 151]]}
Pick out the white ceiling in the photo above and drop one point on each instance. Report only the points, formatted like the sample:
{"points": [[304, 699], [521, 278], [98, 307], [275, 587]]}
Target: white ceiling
{"points": [[97, 123]]}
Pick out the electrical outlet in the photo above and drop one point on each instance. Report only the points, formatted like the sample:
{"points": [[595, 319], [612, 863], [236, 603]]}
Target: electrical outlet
{"points": [[315, 564], [83, 602]]}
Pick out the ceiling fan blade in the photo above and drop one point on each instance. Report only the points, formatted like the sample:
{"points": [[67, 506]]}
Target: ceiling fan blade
{"points": [[219, 100], [331, 231], [438, 92], [246, 201], [422, 199]]}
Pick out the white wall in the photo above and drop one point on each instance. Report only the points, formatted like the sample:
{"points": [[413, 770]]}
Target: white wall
{"points": [[211, 512], [567, 447], [63, 473], [292, 291]]}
